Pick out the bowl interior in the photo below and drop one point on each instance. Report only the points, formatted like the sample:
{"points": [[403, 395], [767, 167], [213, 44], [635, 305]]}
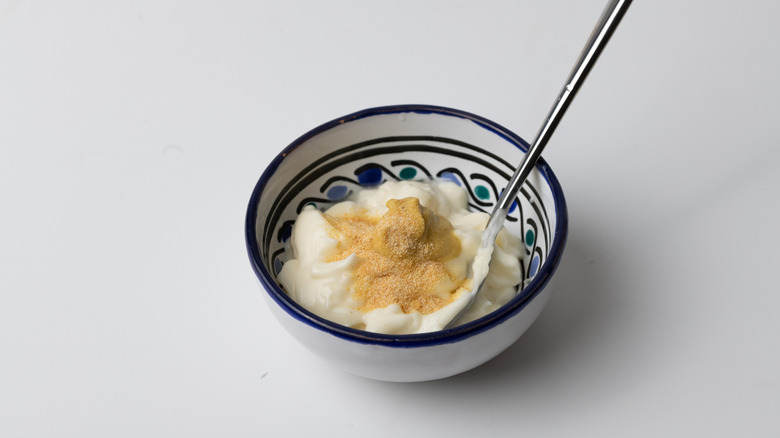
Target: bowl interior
{"points": [[400, 143]]}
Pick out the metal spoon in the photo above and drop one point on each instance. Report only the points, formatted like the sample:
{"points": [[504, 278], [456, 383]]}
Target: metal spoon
{"points": [[606, 25]]}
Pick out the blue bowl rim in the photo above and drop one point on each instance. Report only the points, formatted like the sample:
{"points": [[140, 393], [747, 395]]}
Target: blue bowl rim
{"points": [[455, 334]]}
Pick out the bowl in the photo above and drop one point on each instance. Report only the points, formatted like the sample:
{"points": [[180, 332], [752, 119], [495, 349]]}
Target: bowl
{"points": [[407, 142]]}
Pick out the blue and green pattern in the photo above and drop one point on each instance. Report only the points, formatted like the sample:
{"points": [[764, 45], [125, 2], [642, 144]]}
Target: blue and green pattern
{"points": [[410, 158]]}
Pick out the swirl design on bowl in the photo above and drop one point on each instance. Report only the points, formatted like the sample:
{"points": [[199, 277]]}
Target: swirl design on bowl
{"points": [[339, 173]]}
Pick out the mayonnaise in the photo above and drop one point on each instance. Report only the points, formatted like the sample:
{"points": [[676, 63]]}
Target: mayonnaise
{"points": [[396, 259]]}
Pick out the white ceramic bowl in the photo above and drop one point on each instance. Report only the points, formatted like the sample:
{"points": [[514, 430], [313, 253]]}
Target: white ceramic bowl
{"points": [[407, 142]]}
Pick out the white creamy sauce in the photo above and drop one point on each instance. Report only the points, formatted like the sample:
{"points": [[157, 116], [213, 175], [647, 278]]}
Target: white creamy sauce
{"points": [[325, 288]]}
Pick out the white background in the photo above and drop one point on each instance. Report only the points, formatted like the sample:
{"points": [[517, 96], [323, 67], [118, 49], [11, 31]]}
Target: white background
{"points": [[132, 134]]}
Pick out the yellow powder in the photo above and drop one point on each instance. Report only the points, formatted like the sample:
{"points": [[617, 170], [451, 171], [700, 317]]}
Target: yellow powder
{"points": [[403, 256]]}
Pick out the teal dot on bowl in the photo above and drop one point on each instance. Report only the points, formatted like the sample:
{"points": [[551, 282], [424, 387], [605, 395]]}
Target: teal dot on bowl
{"points": [[370, 177], [337, 193], [529, 237], [408, 173], [482, 192]]}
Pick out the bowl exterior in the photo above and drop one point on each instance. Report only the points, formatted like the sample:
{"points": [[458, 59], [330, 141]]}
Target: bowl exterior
{"points": [[413, 364]]}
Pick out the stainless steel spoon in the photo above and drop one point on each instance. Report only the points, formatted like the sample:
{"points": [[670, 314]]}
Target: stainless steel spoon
{"points": [[606, 25]]}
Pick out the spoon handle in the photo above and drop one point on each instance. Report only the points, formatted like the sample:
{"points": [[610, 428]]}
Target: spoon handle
{"points": [[606, 25]]}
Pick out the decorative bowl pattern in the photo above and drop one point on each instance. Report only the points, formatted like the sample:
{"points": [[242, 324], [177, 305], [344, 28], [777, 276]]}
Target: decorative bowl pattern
{"points": [[409, 142]]}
